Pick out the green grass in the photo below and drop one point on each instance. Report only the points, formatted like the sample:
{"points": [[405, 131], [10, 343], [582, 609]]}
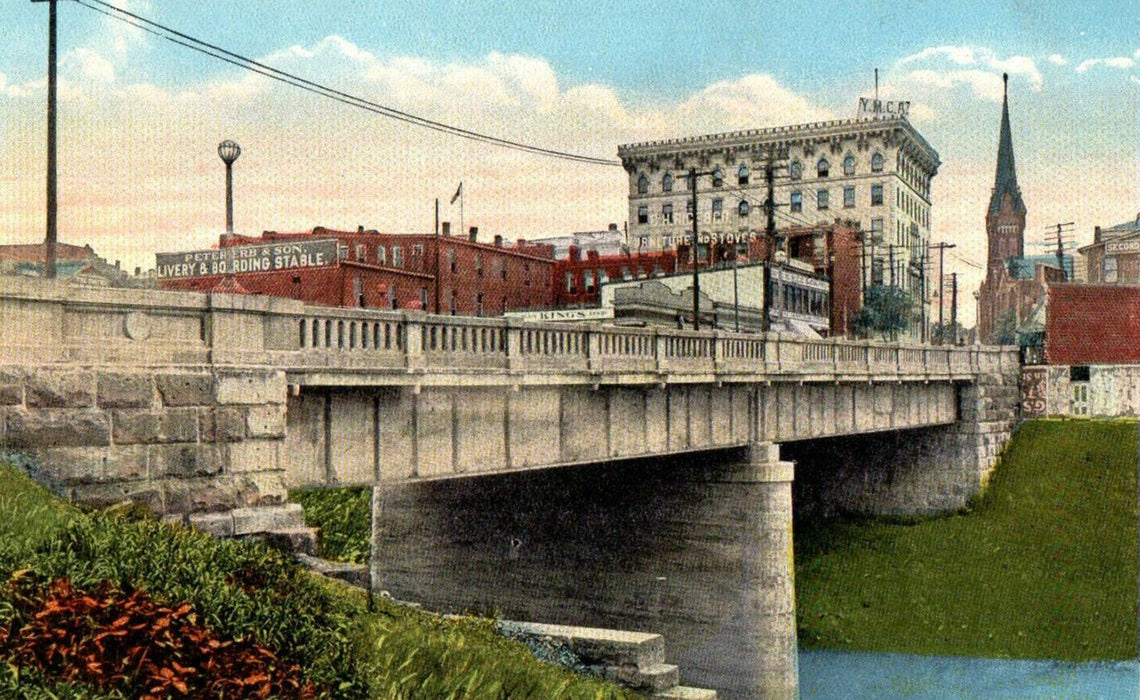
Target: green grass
{"points": [[344, 518], [1042, 565], [391, 653]]}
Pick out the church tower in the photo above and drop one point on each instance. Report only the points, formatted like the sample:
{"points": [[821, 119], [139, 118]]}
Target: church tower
{"points": [[1005, 218], [1005, 231]]}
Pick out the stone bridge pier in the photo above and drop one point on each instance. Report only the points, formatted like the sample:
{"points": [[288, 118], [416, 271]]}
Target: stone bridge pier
{"points": [[698, 548]]}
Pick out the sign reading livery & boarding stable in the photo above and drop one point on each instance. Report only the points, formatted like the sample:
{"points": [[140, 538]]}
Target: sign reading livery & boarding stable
{"points": [[247, 258]]}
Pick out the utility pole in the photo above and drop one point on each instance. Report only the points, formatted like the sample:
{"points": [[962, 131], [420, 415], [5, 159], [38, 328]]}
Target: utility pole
{"points": [[922, 292], [693, 175], [942, 247], [891, 257], [51, 234], [437, 246], [1063, 231], [954, 306], [769, 234]]}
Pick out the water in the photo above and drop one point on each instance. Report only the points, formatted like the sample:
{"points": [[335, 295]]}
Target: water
{"points": [[841, 675]]}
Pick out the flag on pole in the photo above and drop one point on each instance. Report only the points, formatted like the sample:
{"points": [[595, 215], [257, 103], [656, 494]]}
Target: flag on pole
{"points": [[458, 193]]}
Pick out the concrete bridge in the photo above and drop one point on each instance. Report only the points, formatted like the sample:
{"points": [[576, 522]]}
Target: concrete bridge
{"points": [[671, 508]]}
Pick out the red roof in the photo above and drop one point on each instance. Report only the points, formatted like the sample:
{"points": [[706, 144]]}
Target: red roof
{"points": [[1092, 324]]}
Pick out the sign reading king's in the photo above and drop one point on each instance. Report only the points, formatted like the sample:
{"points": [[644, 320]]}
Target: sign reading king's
{"points": [[247, 258]]}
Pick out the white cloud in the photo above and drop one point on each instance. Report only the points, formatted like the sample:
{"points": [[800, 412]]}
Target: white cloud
{"points": [[92, 65], [1058, 60], [950, 66], [1121, 62]]}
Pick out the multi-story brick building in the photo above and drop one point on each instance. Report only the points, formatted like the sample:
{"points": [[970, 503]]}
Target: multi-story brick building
{"points": [[578, 278], [440, 274], [875, 172]]}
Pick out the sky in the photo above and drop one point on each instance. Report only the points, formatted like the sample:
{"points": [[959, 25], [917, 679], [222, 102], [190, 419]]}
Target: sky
{"points": [[140, 117]]}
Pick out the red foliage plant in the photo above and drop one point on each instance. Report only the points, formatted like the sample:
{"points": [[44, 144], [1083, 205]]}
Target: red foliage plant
{"points": [[111, 639]]}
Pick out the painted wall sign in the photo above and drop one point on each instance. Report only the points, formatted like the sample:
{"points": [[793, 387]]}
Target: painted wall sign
{"points": [[563, 315], [1128, 246], [247, 258], [1033, 384], [877, 108]]}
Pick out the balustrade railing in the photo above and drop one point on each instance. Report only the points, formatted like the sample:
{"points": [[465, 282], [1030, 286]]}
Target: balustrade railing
{"points": [[385, 339]]}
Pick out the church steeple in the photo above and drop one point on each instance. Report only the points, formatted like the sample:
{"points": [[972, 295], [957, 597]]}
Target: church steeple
{"points": [[1005, 179]]}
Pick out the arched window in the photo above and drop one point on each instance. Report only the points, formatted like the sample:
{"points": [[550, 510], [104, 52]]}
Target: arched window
{"points": [[796, 170], [823, 168], [667, 183], [381, 256], [643, 184], [717, 177], [877, 162], [742, 208], [849, 165], [742, 175]]}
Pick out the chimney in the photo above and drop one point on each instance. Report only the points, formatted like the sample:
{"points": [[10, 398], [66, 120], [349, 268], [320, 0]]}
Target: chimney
{"points": [[498, 241], [360, 229], [138, 270], [1096, 234], [447, 228], [612, 227], [574, 253], [117, 267], [473, 233]]}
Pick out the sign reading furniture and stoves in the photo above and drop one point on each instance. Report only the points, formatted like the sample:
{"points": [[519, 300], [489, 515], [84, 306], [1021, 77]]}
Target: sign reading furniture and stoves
{"points": [[247, 258]]}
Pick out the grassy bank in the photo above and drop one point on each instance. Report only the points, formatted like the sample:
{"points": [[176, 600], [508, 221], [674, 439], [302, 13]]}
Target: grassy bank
{"points": [[344, 517], [239, 595], [1042, 565]]}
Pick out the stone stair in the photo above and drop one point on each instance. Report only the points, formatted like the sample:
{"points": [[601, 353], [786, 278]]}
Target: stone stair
{"points": [[633, 659], [281, 526]]}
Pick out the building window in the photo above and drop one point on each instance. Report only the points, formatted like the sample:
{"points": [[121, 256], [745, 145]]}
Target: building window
{"points": [[742, 209], [877, 162], [626, 274], [742, 175], [526, 274], [571, 288], [479, 264], [643, 214], [797, 202], [876, 195], [358, 291], [502, 269], [667, 183], [821, 199], [822, 168], [689, 212], [392, 303], [849, 165], [397, 256], [381, 255], [702, 252], [877, 271], [602, 277], [454, 303], [796, 170], [451, 260], [360, 252], [876, 230], [717, 209], [848, 197], [667, 213], [657, 271], [423, 298], [1110, 268], [690, 182], [717, 177], [643, 184], [478, 304], [588, 282]]}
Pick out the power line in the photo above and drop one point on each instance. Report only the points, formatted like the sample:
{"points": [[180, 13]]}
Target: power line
{"points": [[236, 59]]}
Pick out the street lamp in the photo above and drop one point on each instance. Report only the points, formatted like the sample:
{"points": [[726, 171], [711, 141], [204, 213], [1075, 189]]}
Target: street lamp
{"points": [[229, 151]]}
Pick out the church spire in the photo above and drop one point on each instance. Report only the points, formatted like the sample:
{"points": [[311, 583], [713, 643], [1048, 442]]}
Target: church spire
{"points": [[1005, 179]]}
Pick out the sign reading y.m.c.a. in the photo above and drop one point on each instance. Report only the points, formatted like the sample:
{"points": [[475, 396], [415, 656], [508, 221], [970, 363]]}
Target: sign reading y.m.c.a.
{"points": [[247, 258], [872, 107]]}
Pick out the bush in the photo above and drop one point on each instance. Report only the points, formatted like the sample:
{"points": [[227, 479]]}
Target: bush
{"points": [[344, 517]]}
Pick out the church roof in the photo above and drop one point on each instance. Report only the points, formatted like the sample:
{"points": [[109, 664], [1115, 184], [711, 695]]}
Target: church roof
{"points": [[1005, 179]]}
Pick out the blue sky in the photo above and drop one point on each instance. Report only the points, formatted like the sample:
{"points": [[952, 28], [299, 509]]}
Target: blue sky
{"points": [[577, 76]]}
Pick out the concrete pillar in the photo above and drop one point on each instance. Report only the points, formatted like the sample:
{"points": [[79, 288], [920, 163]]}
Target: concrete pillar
{"points": [[697, 548]]}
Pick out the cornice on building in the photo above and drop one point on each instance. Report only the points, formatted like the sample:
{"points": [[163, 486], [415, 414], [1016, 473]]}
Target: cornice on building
{"points": [[830, 133]]}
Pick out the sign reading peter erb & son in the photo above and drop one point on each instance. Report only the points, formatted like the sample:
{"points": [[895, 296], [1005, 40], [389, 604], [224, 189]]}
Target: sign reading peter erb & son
{"points": [[247, 258]]}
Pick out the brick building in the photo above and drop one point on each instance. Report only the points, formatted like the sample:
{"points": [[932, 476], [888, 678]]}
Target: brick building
{"points": [[441, 274], [1092, 324], [578, 278]]}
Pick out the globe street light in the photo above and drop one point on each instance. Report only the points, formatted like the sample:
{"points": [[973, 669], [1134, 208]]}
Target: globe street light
{"points": [[229, 151]]}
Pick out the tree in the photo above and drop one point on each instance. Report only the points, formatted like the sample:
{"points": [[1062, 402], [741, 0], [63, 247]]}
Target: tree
{"points": [[886, 311], [1005, 330], [947, 334]]}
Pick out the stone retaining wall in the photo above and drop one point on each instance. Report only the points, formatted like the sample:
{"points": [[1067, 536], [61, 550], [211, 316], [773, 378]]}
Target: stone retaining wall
{"points": [[174, 439]]}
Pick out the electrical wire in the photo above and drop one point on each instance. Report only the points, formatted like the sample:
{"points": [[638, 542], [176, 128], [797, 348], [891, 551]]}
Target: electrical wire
{"points": [[236, 59]]}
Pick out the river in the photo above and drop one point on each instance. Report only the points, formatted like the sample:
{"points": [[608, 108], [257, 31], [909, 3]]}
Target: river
{"points": [[842, 675]]}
